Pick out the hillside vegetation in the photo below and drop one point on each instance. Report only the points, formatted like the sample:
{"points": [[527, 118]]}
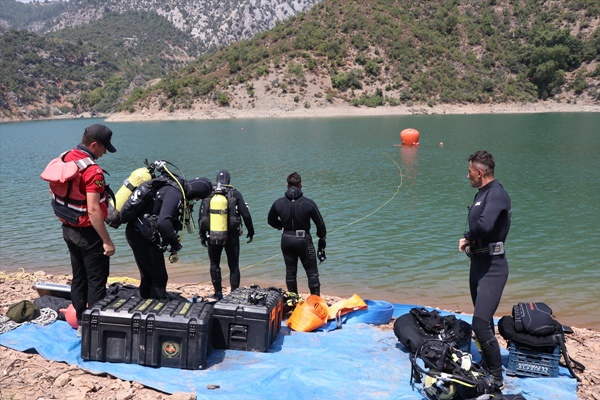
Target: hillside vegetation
{"points": [[377, 52], [75, 70], [366, 53]]}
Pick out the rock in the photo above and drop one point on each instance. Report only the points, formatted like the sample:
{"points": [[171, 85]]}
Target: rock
{"points": [[182, 396], [124, 395], [62, 380]]}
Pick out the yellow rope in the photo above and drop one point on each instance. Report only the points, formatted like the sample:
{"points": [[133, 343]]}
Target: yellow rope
{"points": [[381, 206], [132, 280], [22, 275], [339, 229], [122, 279]]}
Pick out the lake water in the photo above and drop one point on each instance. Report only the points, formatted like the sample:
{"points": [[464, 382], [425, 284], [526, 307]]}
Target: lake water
{"points": [[394, 214]]}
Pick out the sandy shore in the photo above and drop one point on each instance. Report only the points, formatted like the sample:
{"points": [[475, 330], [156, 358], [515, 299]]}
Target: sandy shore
{"points": [[283, 108], [55, 380]]}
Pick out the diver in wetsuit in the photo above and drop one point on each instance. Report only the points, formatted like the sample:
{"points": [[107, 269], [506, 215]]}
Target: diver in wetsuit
{"points": [[292, 214], [237, 210], [489, 223], [149, 234]]}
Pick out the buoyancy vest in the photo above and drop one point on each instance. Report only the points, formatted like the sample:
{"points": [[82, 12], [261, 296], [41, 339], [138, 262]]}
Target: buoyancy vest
{"points": [[68, 201]]}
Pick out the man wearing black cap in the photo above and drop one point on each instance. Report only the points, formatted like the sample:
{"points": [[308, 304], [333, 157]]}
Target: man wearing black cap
{"points": [[236, 207], [85, 233]]}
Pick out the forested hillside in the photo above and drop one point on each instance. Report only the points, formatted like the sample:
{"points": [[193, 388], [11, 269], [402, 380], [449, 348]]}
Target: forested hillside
{"points": [[77, 72], [366, 53]]}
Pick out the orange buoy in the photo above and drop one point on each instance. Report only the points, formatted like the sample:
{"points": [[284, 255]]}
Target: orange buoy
{"points": [[409, 137]]}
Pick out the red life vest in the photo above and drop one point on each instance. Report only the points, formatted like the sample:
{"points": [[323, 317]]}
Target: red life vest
{"points": [[69, 201]]}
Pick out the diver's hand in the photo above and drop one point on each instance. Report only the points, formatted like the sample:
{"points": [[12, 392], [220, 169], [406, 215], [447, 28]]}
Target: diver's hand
{"points": [[462, 243], [321, 250]]}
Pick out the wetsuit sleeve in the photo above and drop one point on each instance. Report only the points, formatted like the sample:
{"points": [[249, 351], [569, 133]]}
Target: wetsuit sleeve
{"points": [[273, 217], [495, 203], [167, 217], [318, 221], [244, 212]]}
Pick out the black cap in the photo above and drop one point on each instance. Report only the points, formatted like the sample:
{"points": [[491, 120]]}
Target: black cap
{"points": [[223, 177], [101, 134]]}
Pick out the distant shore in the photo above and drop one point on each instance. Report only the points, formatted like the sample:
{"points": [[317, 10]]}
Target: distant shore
{"points": [[282, 109], [272, 108]]}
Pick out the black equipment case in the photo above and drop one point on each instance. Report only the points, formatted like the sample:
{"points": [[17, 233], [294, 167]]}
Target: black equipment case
{"points": [[158, 333], [248, 319]]}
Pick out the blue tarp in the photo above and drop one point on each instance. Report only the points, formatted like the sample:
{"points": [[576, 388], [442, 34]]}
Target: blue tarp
{"points": [[356, 360]]}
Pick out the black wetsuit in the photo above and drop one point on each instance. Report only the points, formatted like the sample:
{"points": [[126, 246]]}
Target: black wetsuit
{"points": [[236, 208], [148, 255], [292, 214], [489, 222]]}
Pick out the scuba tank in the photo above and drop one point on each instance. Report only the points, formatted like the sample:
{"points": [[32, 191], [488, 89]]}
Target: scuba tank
{"points": [[218, 216], [135, 179]]}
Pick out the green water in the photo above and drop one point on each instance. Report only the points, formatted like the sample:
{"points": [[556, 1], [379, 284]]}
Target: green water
{"points": [[394, 213]]}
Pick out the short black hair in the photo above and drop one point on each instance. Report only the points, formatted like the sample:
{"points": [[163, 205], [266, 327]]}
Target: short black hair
{"points": [[484, 159], [294, 179]]}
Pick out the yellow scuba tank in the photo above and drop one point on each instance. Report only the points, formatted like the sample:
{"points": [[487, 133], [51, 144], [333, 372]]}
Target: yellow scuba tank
{"points": [[135, 179], [218, 211]]}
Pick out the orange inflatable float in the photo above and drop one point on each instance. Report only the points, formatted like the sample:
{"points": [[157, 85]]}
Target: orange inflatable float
{"points": [[70, 316], [409, 137]]}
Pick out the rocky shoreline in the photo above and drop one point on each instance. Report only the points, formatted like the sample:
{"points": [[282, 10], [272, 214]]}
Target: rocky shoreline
{"points": [[285, 108], [56, 380], [265, 106]]}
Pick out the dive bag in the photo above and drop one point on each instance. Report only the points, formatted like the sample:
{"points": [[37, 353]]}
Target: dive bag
{"points": [[61, 176], [533, 318], [421, 325], [512, 331]]}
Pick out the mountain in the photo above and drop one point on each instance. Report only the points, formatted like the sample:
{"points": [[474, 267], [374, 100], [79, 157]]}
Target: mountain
{"points": [[384, 52], [141, 54], [82, 55], [208, 23]]}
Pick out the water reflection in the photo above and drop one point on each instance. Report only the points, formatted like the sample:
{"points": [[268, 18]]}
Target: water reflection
{"points": [[408, 155]]}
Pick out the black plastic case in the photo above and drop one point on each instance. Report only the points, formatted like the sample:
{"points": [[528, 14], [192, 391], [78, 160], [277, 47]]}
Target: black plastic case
{"points": [[247, 319], [157, 333]]}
